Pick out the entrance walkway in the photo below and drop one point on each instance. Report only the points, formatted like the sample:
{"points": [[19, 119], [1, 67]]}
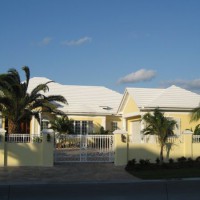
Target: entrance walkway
{"points": [[65, 173]]}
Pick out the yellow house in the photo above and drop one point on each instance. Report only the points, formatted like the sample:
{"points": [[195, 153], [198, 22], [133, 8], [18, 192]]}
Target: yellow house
{"points": [[175, 102], [90, 107]]}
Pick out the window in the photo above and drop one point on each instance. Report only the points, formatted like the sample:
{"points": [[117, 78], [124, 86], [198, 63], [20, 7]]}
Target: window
{"points": [[77, 127], [83, 127], [44, 124], [90, 127], [114, 126]]}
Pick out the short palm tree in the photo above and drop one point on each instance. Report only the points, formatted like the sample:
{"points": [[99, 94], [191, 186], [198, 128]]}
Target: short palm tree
{"points": [[197, 129], [195, 116], [17, 105], [159, 125], [62, 125]]}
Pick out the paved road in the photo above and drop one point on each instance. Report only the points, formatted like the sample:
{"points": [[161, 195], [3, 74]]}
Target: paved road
{"points": [[161, 190]]}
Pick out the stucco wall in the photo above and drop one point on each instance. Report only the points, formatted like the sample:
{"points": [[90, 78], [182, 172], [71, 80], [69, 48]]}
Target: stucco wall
{"points": [[177, 148], [27, 154]]}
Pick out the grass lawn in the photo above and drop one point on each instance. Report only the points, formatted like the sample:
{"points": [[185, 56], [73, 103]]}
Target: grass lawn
{"points": [[166, 173]]}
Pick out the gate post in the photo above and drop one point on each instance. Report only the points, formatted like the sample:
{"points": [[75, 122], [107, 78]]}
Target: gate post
{"points": [[120, 147], [188, 144], [3, 149], [48, 147]]}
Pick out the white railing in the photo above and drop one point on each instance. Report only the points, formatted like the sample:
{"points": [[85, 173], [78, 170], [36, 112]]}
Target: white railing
{"points": [[196, 138], [23, 138], [153, 139], [175, 138]]}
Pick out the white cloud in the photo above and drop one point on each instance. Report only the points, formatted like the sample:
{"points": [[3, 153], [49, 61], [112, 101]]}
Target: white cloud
{"points": [[138, 76], [77, 42], [187, 84], [45, 41]]}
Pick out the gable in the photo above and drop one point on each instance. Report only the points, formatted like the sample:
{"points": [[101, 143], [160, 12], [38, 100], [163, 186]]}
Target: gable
{"points": [[129, 106]]}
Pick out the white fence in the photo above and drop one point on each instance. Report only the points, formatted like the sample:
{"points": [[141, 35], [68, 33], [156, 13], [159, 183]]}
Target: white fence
{"points": [[84, 148], [196, 138], [153, 139], [23, 138]]}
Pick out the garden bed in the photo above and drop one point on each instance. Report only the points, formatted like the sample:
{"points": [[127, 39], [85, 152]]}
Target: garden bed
{"points": [[182, 168]]}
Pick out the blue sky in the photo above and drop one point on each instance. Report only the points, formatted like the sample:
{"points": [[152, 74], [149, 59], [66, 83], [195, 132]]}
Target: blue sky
{"points": [[112, 43]]}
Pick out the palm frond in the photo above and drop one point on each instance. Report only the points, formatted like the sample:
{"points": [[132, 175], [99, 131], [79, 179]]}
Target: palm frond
{"points": [[195, 115]]}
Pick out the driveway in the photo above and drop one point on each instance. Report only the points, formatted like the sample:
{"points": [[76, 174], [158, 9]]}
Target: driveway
{"points": [[65, 173]]}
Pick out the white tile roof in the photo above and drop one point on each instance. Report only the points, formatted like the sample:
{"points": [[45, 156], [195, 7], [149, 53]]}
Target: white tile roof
{"points": [[82, 99], [171, 97]]}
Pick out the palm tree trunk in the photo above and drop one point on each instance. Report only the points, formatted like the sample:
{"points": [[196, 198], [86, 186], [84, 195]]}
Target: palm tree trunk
{"points": [[12, 127], [161, 154]]}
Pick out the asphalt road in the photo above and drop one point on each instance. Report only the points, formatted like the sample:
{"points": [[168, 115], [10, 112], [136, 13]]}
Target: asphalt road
{"points": [[148, 190]]}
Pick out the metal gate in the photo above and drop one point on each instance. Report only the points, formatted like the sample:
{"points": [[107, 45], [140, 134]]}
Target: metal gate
{"points": [[84, 148]]}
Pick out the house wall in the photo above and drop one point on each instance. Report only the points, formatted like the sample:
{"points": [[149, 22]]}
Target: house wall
{"points": [[130, 109], [184, 117], [110, 119], [98, 121]]}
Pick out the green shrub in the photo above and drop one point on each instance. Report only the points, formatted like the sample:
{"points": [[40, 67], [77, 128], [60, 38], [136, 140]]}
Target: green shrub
{"points": [[144, 161], [190, 160], [171, 160], [157, 161], [198, 159], [131, 164], [182, 159]]}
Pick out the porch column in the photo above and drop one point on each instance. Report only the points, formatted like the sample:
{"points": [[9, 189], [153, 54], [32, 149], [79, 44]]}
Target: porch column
{"points": [[120, 147], [103, 122], [124, 124], [32, 125]]}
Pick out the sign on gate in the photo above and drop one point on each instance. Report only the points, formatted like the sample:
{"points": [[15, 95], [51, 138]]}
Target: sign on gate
{"points": [[85, 148]]}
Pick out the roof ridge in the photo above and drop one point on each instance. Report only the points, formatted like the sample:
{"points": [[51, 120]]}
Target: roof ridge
{"points": [[68, 85], [172, 93], [161, 93]]}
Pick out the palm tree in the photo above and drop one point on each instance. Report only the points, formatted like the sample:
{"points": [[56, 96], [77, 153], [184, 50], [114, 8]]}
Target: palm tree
{"points": [[63, 125], [17, 105], [159, 125], [195, 116], [196, 130]]}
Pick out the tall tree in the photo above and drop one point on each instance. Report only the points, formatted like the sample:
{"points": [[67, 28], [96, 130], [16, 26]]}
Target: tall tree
{"points": [[17, 104], [159, 125]]}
